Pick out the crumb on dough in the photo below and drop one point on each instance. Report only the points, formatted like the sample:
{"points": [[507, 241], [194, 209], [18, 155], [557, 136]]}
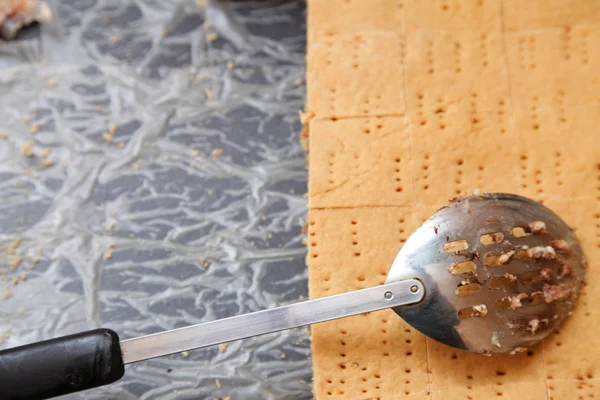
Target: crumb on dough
{"points": [[546, 273], [27, 150], [222, 347], [216, 153]]}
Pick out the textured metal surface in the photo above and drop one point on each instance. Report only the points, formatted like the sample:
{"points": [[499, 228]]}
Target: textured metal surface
{"points": [[503, 329], [195, 237], [304, 313]]}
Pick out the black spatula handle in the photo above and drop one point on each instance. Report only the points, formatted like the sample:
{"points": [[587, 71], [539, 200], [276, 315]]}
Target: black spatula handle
{"points": [[60, 366]]}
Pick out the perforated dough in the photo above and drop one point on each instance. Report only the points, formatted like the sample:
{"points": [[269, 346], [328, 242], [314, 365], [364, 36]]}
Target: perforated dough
{"points": [[412, 103]]}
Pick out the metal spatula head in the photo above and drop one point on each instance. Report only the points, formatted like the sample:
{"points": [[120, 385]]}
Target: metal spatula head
{"points": [[501, 272]]}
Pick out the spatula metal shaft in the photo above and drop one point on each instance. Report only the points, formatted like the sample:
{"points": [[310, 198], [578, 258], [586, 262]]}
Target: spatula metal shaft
{"points": [[309, 312]]}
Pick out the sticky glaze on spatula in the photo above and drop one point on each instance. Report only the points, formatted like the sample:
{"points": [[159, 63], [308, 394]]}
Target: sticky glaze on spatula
{"points": [[489, 274]]}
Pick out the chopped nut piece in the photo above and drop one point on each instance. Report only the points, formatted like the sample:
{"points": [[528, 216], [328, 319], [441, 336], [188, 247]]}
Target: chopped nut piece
{"points": [[479, 310], [34, 261], [211, 37], [515, 302], [46, 163], [208, 93], [552, 293], [112, 128], [26, 150], [504, 258], [107, 137], [216, 153], [229, 65], [495, 340], [14, 264], [541, 252], [282, 356], [546, 274], [222, 347], [560, 245], [35, 128], [13, 246], [15, 281], [185, 354], [45, 152], [218, 383], [7, 295], [116, 39], [533, 325], [121, 145], [23, 277], [511, 277], [3, 135], [537, 227], [108, 253], [195, 153]]}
